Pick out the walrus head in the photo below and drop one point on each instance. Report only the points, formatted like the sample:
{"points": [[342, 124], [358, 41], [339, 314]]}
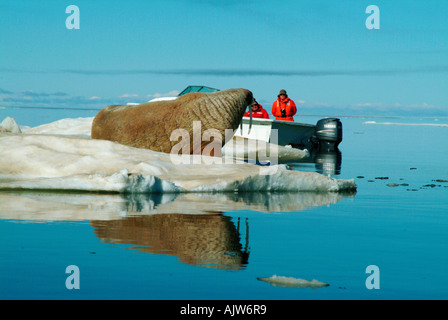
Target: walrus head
{"points": [[150, 125]]}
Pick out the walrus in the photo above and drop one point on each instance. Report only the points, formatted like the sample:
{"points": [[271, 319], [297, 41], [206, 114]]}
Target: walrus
{"points": [[151, 125]]}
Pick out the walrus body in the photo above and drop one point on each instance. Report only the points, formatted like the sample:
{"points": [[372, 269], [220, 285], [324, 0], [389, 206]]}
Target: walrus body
{"points": [[150, 125]]}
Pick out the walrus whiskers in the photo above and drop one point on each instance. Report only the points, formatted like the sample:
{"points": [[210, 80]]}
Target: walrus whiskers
{"points": [[150, 125]]}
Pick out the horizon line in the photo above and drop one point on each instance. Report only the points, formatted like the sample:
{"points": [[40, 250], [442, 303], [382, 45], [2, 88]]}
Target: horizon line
{"points": [[244, 72]]}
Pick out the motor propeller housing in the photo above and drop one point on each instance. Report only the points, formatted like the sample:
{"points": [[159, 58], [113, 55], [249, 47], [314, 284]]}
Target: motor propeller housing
{"points": [[328, 133]]}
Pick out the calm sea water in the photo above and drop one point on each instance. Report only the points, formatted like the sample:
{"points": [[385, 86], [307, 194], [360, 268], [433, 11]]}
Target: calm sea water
{"points": [[397, 221]]}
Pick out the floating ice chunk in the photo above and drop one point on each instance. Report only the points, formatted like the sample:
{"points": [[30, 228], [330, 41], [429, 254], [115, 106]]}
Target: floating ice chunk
{"points": [[10, 125], [70, 160], [281, 281], [70, 163]]}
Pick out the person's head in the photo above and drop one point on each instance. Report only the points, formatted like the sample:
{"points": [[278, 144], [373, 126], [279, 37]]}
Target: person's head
{"points": [[282, 94], [255, 106]]}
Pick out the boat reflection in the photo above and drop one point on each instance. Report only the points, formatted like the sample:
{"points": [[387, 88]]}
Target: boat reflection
{"points": [[327, 162]]}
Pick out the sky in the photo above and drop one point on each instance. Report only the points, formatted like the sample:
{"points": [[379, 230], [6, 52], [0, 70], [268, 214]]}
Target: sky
{"points": [[320, 52]]}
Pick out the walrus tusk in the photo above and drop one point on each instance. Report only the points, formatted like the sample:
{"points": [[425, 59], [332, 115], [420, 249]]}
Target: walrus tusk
{"points": [[150, 125], [250, 121]]}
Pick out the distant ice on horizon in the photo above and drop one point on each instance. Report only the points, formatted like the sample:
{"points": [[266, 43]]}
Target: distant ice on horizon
{"points": [[407, 124]]}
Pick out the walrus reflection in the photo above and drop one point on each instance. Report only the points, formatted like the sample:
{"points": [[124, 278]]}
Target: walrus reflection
{"points": [[204, 240]]}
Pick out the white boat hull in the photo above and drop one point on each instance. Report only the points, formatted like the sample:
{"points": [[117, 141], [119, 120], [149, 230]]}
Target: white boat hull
{"points": [[277, 132]]}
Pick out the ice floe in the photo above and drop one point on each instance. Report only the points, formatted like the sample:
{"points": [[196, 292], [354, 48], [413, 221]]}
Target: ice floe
{"points": [[61, 156]]}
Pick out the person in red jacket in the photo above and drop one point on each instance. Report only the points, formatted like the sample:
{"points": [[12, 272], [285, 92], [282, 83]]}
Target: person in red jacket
{"points": [[257, 111], [284, 108]]}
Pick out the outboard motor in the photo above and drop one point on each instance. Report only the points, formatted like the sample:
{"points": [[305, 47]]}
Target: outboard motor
{"points": [[328, 134]]}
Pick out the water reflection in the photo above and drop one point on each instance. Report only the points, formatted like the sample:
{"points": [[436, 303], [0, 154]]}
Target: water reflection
{"points": [[210, 240], [191, 226], [327, 162]]}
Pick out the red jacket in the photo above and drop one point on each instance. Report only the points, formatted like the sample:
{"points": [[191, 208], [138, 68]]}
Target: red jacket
{"points": [[288, 105], [261, 113]]}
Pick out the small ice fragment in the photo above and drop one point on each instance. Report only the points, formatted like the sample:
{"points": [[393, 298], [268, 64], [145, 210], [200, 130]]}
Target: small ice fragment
{"points": [[292, 282], [392, 184]]}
